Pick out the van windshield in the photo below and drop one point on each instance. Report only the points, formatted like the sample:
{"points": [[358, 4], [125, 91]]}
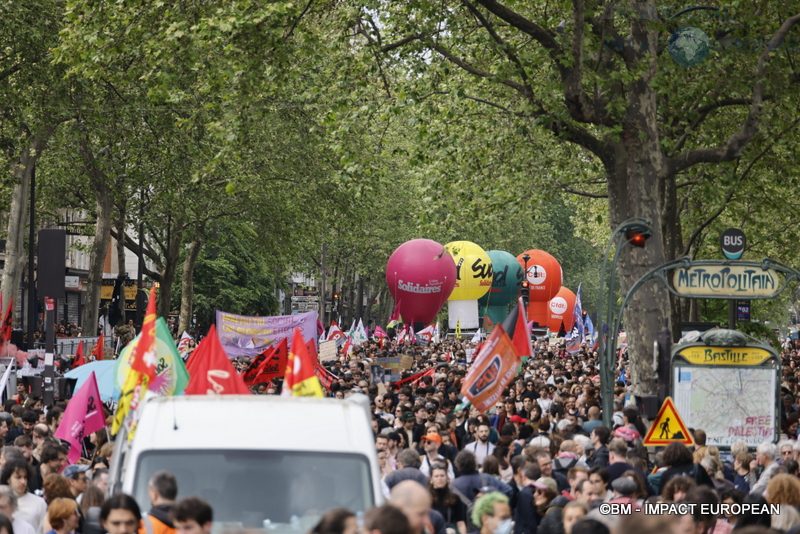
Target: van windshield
{"points": [[270, 490]]}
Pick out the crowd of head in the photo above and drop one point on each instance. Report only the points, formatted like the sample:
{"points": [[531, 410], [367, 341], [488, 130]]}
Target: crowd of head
{"points": [[541, 459]]}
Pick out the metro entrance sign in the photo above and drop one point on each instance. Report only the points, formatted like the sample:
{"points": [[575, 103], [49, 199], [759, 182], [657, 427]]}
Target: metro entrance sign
{"points": [[725, 279], [718, 279]]}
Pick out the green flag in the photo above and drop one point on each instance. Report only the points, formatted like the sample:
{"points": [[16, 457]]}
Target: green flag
{"points": [[171, 374]]}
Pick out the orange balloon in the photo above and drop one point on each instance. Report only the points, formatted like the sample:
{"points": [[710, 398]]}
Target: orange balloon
{"points": [[539, 313], [560, 310], [544, 275]]}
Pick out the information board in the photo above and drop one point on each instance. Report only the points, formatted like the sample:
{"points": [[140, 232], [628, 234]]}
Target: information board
{"points": [[729, 404]]}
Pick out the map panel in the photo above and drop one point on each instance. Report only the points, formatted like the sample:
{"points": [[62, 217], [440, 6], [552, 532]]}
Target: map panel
{"points": [[729, 404]]}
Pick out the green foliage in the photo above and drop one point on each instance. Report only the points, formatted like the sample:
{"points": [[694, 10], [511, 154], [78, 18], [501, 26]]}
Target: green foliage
{"points": [[232, 276]]}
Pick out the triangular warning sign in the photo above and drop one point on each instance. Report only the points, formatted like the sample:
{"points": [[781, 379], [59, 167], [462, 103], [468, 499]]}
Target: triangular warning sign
{"points": [[668, 427]]}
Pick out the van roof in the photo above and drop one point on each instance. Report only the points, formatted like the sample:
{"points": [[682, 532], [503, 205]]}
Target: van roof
{"points": [[253, 422]]}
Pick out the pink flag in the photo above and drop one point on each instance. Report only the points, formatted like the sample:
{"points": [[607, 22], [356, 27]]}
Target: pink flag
{"points": [[84, 415], [379, 333]]}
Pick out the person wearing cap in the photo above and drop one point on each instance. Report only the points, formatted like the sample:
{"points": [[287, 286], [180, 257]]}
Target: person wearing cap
{"points": [[545, 490], [78, 481], [430, 444]]}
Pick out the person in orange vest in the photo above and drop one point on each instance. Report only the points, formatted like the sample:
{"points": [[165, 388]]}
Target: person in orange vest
{"points": [[162, 489]]}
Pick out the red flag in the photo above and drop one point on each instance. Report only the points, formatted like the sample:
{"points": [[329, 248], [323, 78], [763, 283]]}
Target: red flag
{"points": [[326, 378], [252, 370], [97, 351], [414, 379], [79, 359], [521, 337], [300, 379], [7, 326], [273, 366], [211, 372], [144, 357], [396, 313]]}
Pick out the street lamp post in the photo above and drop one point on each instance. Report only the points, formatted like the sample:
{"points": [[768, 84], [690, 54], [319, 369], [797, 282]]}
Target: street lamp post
{"points": [[634, 231]]}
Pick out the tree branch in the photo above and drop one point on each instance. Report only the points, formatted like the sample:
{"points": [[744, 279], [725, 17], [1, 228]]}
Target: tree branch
{"points": [[476, 71], [568, 189], [735, 187], [402, 42], [706, 110], [133, 246], [504, 47], [736, 142]]}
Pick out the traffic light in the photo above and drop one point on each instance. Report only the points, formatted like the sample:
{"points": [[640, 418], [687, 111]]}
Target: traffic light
{"points": [[336, 302], [525, 292], [637, 238]]}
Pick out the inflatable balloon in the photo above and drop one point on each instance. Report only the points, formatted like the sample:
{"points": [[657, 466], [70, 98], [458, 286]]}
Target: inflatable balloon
{"points": [[561, 307], [420, 275], [539, 312], [544, 274], [474, 273], [506, 281]]}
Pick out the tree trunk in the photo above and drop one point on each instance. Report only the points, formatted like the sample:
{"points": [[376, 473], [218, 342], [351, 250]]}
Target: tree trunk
{"points": [[372, 293], [172, 257], [359, 307], [322, 293], [21, 169], [637, 189], [97, 256], [120, 224], [102, 236], [187, 282]]}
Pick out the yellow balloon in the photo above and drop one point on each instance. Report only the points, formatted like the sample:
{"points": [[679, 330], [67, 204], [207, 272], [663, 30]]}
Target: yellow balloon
{"points": [[474, 270]]}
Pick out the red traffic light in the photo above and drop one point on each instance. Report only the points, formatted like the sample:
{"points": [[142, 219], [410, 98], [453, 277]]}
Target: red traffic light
{"points": [[526, 285], [335, 296], [637, 239]]}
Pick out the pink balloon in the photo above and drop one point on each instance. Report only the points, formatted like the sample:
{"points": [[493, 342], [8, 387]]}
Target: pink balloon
{"points": [[420, 274]]}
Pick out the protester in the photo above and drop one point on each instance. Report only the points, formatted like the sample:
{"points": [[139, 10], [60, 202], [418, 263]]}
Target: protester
{"points": [[492, 514], [191, 515], [784, 490], [30, 508], [8, 507], [446, 502], [336, 521], [121, 515], [162, 490], [386, 519], [63, 516]]}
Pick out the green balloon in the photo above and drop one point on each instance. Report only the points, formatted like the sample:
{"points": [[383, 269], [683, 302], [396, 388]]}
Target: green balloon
{"points": [[508, 275]]}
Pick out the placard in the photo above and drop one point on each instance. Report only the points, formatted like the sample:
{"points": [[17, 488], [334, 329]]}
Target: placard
{"points": [[327, 351], [406, 362]]}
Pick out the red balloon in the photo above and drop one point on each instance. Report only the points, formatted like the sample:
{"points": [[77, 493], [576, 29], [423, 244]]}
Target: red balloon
{"points": [[539, 312], [560, 308], [544, 274], [420, 274]]}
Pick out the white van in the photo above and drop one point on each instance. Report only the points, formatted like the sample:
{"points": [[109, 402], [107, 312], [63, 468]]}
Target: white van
{"points": [[262, 462]]}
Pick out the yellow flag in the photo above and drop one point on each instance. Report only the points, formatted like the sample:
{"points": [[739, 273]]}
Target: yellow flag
{"points": [[129, 398], [458, 328]]}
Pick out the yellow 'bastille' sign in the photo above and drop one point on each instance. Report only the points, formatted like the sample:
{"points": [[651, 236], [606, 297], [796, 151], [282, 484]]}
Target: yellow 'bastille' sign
{"points": [[725, 355]]}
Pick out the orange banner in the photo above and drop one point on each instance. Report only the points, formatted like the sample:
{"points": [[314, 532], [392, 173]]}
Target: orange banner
{"points": [[493, 370]]}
